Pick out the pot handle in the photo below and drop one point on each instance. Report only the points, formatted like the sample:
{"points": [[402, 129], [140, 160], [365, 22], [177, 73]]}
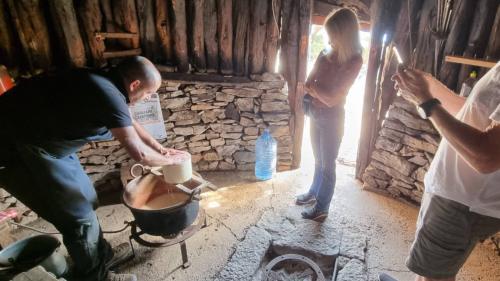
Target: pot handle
{"points": [[134, 167]]}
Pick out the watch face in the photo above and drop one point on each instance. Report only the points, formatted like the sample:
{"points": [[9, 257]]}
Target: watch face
{"points": [[421, 112]]}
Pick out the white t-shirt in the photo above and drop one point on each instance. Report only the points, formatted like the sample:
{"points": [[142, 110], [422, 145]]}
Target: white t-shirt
{"points": [[450, 176]]}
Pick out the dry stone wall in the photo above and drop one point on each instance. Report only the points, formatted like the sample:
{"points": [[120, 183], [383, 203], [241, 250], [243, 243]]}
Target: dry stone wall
{"points": [[403, 151], [217, 123]]}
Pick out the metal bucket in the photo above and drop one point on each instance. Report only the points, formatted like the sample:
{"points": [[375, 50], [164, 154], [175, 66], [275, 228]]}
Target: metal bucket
{"points": [[30, 252]]}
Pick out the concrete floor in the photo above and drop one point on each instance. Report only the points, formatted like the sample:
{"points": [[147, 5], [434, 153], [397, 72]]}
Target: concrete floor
{"points": [[239, 204]]}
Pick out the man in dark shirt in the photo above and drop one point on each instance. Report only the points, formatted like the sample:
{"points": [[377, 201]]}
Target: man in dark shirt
{"points": [[45, 120]]}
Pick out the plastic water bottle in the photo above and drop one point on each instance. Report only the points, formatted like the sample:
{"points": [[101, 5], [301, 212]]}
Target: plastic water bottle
{"points": [[265, 156]]}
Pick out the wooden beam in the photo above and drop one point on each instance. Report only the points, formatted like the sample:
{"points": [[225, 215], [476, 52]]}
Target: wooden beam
{"points": [[493, 48], [107, 13], [90, 19], [68, 33], [212, 79], [125, 15], [163, 29], [210, 35], [31, 27], [241, 19], [258, 22], [147, 29], [470, 61], [225, 35], [272, 35], [116, 35], [120, 54], [197, 36], [424, 48], [8, 50], [179, 30]]}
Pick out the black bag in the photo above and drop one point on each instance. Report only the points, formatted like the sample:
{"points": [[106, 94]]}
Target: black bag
{"points": [[307, 104]]}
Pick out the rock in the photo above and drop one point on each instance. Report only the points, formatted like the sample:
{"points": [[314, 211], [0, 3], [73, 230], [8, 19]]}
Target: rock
{"points": [[401, 184], [274, 107], [267, 76], [251, 131], [197, 130], [244, 104], [211, 136], [370, 170], [195, 158], [184, 131], [246, 138], [354, 270], [369, 181], [242, 157], [246, 122], [223, 165], [410, 121], [176, 94], [392, 172], [174, 103], [233, 142], [387, 144], [245, 167], [207, 97], [270, 117], [197, 137], [202, 106], [210, 116], [270, 96], [397, 162], [199, 91], [227, 150], [244, 92], [224, 97], [278, 131], [434, 139], [169, 126], [96, 159], [217, 142], [216, 127], [270, 85], [232, 128], [231, 112], [353, 245], [400, 127], [419, 174], [183, 116], [197, 144], [211, 155], [108, 143], [171, 86], [199, 149], [248, 256], [408, 140], [419, 160], [420, 186], [231, 135], [91, 169], [212, 166]]}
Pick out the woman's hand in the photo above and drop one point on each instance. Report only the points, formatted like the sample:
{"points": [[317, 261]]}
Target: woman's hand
{"points": [[414, 85]]}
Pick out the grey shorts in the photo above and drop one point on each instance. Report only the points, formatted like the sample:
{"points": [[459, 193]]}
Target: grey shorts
{"points": [[447, 232]]}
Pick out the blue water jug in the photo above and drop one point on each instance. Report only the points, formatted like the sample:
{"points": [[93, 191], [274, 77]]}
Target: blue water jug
{"points": [[265, 156]]}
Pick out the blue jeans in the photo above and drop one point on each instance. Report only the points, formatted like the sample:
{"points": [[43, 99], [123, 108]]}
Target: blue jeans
{"points": [[49, 179], [327, 129]]}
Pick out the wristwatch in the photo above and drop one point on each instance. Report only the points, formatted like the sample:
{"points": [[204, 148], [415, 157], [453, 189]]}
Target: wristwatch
{"points": [[425, 108]]}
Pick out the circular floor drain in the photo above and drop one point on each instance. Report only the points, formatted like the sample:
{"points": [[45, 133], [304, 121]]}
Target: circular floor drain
{"points": [[295, 258]]}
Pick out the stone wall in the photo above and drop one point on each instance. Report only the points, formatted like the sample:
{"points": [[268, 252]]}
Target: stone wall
{"points": [[217, 123], [403, 151]]}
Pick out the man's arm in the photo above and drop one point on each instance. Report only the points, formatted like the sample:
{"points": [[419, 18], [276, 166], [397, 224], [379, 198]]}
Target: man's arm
{"points": [[450, 101], [137, 149], [146, 137], [481, 149]]}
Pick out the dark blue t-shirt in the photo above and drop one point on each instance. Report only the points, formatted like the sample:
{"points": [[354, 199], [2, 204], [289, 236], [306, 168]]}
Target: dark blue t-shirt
{"points": [[77, 104]]}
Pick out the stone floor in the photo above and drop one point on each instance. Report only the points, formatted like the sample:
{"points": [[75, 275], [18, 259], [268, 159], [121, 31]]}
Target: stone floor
{"points": [[242, 208]]}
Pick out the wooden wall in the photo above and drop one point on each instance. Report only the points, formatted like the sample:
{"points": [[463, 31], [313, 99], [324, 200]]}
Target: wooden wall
{"points": [[231, 37]]}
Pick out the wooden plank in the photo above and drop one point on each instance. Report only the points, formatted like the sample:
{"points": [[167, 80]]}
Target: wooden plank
{"points": [[424, 48], [470, 61], [272, 35], [124, 53], [258, 23], [206, 79], [179, 32], [125, 15], [493, 49], [197, 36], [90, 20], [225, 35], [289, 46], [31, 27], [163, 28], [8, 50], [68, 33], [116, 35], [210, 35], [147, 29], [107, 13], [460, 26], [241, 18]]}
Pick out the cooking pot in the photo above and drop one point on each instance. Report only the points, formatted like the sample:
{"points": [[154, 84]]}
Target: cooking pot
{"points": [[160, 208]]}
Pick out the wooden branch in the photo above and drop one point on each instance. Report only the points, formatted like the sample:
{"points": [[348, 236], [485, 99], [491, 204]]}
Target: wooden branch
{"points": [[210, 35], [31, 27], [241, 18], [272, 35], [90, 20], [470, 61], [147, 28], [124, 53], [258, 22], [197, 36], [163, 28], [125, 15], [68, 33], [225, 35], [463, 12], [8, 51], [179, 29]]}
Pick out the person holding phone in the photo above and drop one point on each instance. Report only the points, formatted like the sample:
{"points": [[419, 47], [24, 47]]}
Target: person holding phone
{"points": [[328, 83]]}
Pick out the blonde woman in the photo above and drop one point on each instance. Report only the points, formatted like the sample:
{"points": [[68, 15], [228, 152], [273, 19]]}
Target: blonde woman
{"points": [[328, 83]]}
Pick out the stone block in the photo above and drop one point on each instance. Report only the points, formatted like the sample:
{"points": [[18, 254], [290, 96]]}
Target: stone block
{"points": [[387, 144], [397, 162], [232, 112], [199, 149], [408, 140], [275, 107], [232, 128], [270, 96], [197, 130], [410, 120], [217, 142], [244, 157], [233, 142], [183, 116], [419, 174], [244, 104], [392, 172], [224, 97], [354, 270], [227, 150], [270, 85], [184, 131], [197, 137], [244, 92], [91, 169], [198, 143], [96, 159], [245, 167], [251, 131], [225, 166], [203, 106], [174, 103], [207, 97], [199, 91], [195, 158], [353, 245], [211, 136], [212, 166], [231, 135], [247, 138], [211, 155], [377, 173], [246, 122], [108, 143], [278, 131], [268, 76], [210, 116]]}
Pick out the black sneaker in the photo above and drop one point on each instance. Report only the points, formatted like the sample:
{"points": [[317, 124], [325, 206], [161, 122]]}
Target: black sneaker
{"points": [[385, 277], [314, 214], [121, 254], [305, 199]]}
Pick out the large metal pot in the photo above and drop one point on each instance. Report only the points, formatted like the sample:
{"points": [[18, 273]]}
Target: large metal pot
{"points": [[172, 217]]}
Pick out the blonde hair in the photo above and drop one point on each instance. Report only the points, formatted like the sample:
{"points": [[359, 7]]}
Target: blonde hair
{"points": [[343, 27]]}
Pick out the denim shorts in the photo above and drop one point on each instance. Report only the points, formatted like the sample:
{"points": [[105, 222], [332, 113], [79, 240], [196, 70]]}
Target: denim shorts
{"points": [[447, 232]]}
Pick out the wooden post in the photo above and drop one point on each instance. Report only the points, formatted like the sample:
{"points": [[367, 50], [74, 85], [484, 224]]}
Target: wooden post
{"points": [[493, 48], [147, 28], [463, 12], [210, 35], [31, 27], [68, 33], [8, 52], [384, 16], [225, 35], [163, 29], [241, 18], [197, 37], [179, 30], [258, 22], [424, 52], [90, 19], [125, 14], [272, 35], [107, 12]]}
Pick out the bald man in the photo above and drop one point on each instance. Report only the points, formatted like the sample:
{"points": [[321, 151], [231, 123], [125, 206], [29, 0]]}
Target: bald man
{"points": [[45, 120]]}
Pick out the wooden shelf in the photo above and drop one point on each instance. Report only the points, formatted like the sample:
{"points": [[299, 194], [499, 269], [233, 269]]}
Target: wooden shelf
{"points": [[470, 61]]}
